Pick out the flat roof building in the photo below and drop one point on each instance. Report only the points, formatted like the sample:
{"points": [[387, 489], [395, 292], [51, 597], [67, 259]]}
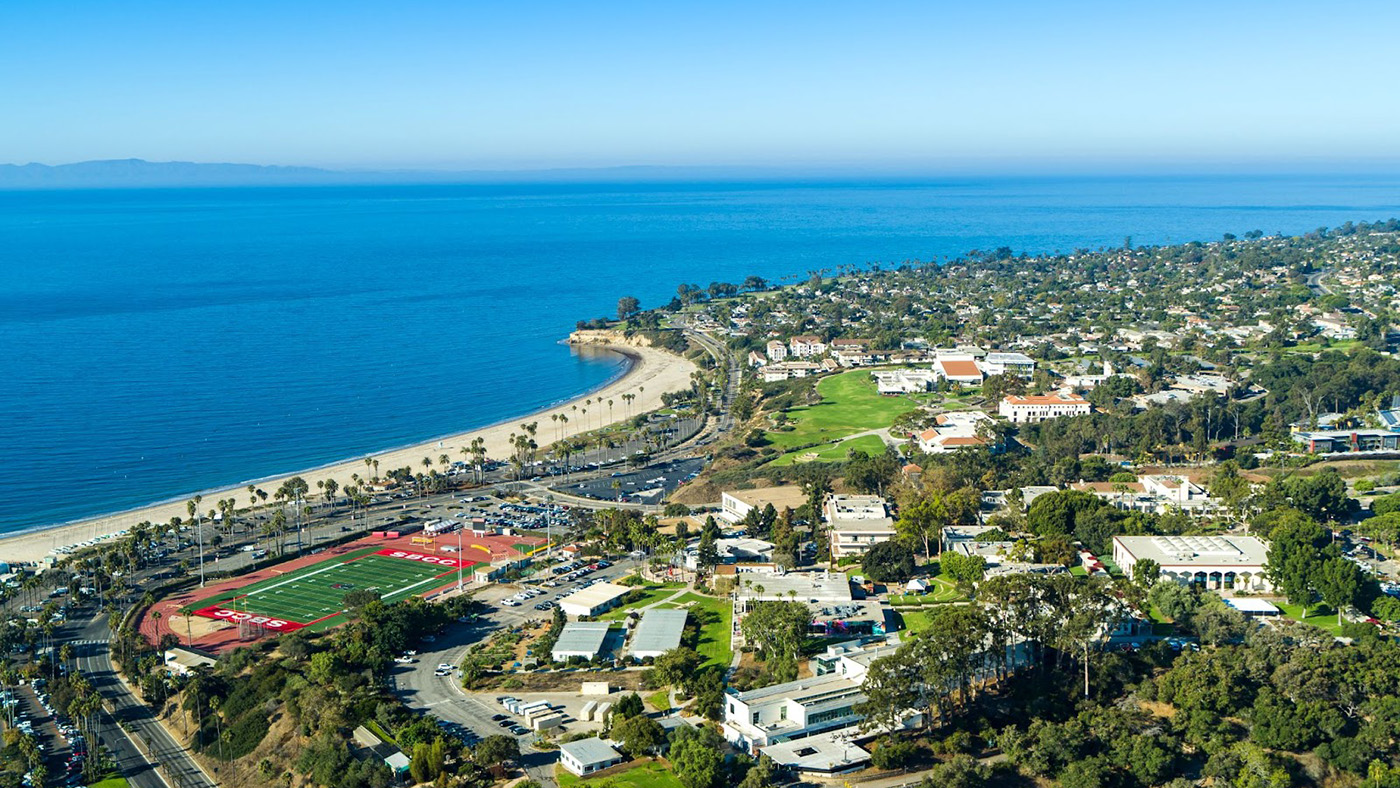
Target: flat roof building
{"points": [[595, 599], [582, 639], [856, 523], [1212, 561], [826, 594], [825, 753], [659, 632], [586, 756]]}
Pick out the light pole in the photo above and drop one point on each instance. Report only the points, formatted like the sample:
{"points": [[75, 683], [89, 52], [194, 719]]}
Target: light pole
{"points": [[459, 557], [549, 526]]}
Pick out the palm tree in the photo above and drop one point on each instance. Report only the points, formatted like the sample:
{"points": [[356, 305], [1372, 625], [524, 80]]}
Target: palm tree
{"points": [[192, 506]]}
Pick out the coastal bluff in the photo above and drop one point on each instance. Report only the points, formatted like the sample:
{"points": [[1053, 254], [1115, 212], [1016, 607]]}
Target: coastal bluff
{"points": [[604, 336]]}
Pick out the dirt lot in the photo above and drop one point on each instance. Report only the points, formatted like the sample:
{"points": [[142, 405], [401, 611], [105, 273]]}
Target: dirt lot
{"points": [[561, 681]]}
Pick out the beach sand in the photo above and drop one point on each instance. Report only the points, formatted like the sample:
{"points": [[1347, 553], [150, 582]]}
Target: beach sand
{"points": [[653, 372]]}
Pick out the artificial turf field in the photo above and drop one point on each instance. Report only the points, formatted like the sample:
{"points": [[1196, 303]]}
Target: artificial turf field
{"points": [[314, 595]]}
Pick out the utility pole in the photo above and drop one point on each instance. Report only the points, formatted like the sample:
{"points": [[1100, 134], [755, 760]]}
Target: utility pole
{"points": [[459, 556]]}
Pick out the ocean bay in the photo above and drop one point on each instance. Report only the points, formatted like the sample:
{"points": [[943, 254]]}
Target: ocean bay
{"points": [[166, 340]]}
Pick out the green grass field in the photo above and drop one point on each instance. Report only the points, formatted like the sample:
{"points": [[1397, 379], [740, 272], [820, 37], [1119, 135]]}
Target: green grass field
{"points": [[651, 774], [651, 594], [870, 444], [850, 404], [1319, 615], [714, 636], [915, 621], [315, 592], [942, 592]]}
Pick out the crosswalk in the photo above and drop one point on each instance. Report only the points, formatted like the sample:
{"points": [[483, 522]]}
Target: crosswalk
{"points": [[89, 642]]}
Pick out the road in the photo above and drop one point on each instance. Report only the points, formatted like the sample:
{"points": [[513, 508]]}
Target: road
{"points": [[443, 696], [1315, 283], [135, 720]]}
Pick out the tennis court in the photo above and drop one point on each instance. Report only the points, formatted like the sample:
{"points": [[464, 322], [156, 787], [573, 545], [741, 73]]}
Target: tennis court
{"points": [[314, 594]]}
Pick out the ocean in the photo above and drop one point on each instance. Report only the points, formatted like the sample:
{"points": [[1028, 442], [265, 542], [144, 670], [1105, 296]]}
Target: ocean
{"points": [[162, 341]]}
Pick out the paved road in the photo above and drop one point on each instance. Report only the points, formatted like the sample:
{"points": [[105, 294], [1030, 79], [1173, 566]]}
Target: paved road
{"points": [[1315, 282], [443, 696], [137, 722]]}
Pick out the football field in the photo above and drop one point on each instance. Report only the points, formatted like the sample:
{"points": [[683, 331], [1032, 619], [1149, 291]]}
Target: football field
{"points": [[315, 594]]}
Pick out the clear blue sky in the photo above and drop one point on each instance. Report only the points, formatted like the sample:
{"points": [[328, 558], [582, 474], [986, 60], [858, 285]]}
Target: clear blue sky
{"points": [[935, 85]]}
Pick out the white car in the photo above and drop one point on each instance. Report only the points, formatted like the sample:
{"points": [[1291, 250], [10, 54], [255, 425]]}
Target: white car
{"points": [[510, 603], [404, 660]]}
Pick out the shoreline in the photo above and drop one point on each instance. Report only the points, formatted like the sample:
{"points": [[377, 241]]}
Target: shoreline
{"points": [[648, 374]]}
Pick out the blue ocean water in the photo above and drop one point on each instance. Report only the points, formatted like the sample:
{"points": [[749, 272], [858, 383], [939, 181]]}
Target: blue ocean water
{"points": [[157, 342]]}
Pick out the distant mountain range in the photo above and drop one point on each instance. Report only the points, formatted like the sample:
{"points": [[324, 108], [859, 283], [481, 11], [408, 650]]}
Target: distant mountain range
{"points": [[139, 173]]}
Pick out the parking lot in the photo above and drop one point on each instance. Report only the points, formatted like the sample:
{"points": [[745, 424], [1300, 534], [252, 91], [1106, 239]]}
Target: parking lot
{"points": [[647, 485], [64, 747]]}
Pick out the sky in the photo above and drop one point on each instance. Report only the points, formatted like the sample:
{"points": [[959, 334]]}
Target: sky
{"points": [[461, 84]]}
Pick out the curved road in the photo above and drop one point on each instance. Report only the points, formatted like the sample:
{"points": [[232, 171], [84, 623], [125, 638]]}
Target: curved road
{"points": [[442, 696]]}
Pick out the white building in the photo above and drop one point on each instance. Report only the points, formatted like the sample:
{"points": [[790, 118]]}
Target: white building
{"points": [[807, 346], [582, 639], [1156, 494], [856, 523], [787, 370], [1033, 408], [777, 351], [586, 756], [734, 551], [1087, 382], [659, 631], [1017, 364], [892, 382], [1212, 561], [595, 599], [953, 431]]}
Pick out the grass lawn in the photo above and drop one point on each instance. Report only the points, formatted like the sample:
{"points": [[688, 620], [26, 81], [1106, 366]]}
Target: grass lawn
{"points": [[870, 444], [942, 591], [648, 774], [650, 595], [660, 700], [115, 781], [714, 636], [915, 621], [1320, 616], [850, 404]]}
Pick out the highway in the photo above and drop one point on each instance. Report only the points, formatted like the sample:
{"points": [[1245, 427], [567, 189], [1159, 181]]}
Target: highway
{"points": [[130, 730]]}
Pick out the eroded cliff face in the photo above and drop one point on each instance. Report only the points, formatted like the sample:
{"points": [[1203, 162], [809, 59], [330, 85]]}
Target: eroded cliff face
{"points": [[608, 337]]}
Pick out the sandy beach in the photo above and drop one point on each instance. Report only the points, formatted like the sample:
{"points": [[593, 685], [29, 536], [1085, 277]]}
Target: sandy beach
{"points": [[652, 373]]}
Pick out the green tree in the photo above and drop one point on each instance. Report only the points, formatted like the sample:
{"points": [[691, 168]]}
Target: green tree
{"points": [[1294, 559], [629, 705], [888, 562], [639, 735], [776, 629], [965, 570], [496, 749], [1146, 573], [1176, 601], [697, 757], [923, 519], [1339, 582]]}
